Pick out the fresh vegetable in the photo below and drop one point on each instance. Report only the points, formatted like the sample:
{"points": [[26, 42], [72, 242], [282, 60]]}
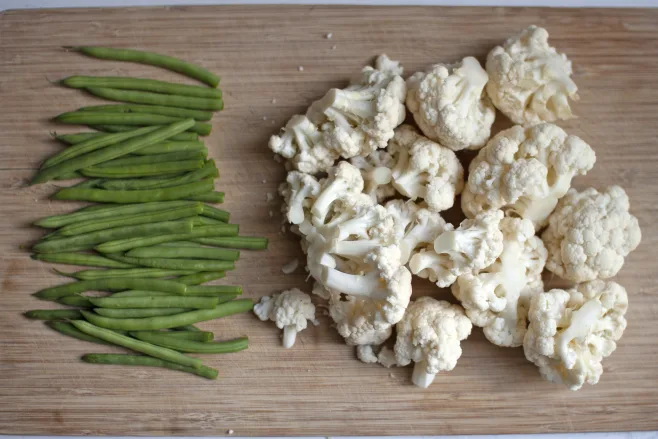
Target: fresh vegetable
{"points": [[236, 242], [198, 115], [53, 314], [143, 57], [143, 97], [185, 252], [138, 119], [136, 345], [137, 196], [110, 284], [590, 233], [177, 320], [155, 302], [182, 345], [80, 259], [135, 313], [289, 310], [140, 360], [152, 85], [67, 328]]}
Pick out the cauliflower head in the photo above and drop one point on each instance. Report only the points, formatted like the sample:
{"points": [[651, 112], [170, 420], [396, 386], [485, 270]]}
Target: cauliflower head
{"points": [[524, 171], [497, 297], [424, 169], [343, 179], [361, 118], [474, 245], [450, 106], [572, 331], [289, 310], [429, 335], [529, 81], [302, 143], [590, 233]]}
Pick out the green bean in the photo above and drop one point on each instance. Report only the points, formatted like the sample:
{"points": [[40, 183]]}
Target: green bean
{"points": [[237, 242], [120, 221], [209, 170], [72, 139], [98, 212], [66, 328], [181, 264], [169, 147], [147, 170], [213, 290], [136, 345], [140, 360], [141, 293], [203, 336], [186, 318], [145, 273], [153, 59], [155, 302], [137, 313], [136, 196], [79, 259], [180, 244], [183, 137], [75, 300], [144, 97], [214, 213], [93, 144], [190, 328], [129, 119], [199, 115], [146, 241], [222, 347], [220, 254], [160, 158], [109, 284], [112, 151], [88, 240], [199, 278], [90, 183], [141, 84], [205, 221], [53, 314], [208, 197]]}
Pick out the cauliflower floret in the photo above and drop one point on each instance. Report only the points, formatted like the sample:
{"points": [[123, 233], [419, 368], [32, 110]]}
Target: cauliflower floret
{"points": [[572, 331], [415, 226], [450, 106], [343, 179], [425, 169], [590, 233], [474, 245], [365, 307], [529, 81], [429, 335], [524, 171], [298, 194], [289, 310], [497, 297], [303, 143], [361, 118], [376, 172]]}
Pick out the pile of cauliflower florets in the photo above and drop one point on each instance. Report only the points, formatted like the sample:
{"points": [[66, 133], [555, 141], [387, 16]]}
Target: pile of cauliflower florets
{"points": [[364, 192]]}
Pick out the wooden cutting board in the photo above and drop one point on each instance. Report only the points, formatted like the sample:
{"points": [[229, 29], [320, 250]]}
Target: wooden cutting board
{"points": [[317, 388]]}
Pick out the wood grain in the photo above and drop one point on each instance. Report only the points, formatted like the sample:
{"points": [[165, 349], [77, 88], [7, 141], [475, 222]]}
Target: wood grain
{"points": [[317, 388]]}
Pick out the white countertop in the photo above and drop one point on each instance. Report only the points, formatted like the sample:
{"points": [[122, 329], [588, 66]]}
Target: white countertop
{"points": [[35, 4]]}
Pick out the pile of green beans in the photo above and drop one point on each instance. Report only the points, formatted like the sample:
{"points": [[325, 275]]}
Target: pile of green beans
{"points": [[153, 241]]}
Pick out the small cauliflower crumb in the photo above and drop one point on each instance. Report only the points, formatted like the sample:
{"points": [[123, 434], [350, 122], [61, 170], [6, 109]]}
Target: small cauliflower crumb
{"points": [[300, 68], [271, 214], [333, 47], [264, 181], [278, 158], [274, 100], [269, 197], [283, 229], [230, 432], [290, 266], [329, 35], [264, 117]]}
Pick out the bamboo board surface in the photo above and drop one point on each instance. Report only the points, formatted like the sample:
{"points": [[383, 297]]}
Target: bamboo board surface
{"points": [[317, 388]]}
